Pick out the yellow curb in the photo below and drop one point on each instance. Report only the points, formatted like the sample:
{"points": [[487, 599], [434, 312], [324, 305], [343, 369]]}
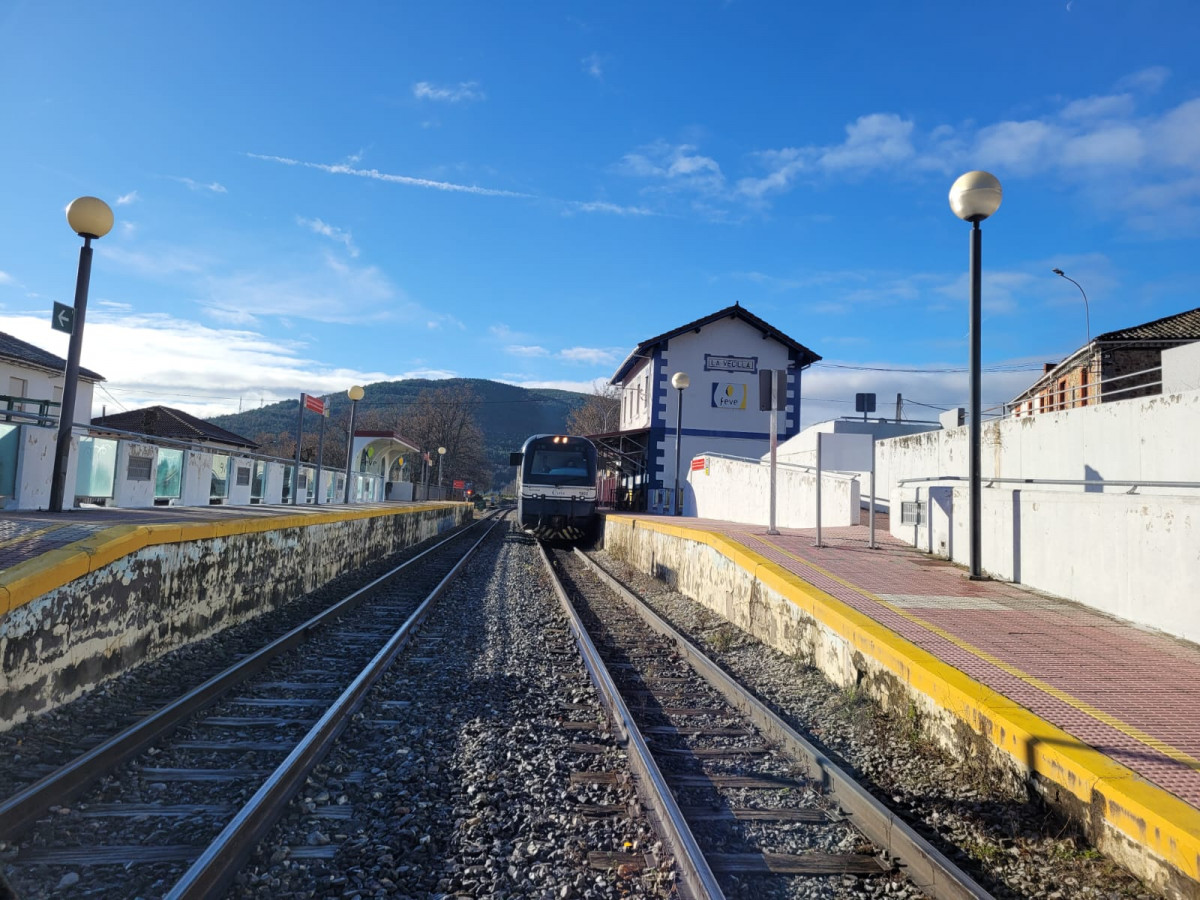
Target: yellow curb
{"points": [[1149, 815], [32, 578], [111, 544]]}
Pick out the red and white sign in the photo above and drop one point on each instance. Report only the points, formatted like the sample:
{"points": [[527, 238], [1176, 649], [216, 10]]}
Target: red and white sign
{"points": [[316, 404], [699, 464], [459, 484]]}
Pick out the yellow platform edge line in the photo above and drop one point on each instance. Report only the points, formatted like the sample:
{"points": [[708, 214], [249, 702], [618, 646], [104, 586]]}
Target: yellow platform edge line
{"points": [[33, 578], [1145, 813]]}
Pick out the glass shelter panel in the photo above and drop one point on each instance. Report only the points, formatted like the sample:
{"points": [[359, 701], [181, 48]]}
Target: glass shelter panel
{"points": [[96, 467], [168, 478]]}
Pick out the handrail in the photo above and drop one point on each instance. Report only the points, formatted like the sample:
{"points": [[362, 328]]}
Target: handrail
{"points": [[1100, 482], [787, 465]]}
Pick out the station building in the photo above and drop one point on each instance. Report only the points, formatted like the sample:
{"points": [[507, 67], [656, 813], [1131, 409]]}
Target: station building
{"points": [[718, 413]]}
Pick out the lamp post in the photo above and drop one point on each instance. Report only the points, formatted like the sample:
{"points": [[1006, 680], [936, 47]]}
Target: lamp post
{"points": [[973, 197], [441, 456], [1087, 318], [680, 382], [91, 219], [355, 394]]}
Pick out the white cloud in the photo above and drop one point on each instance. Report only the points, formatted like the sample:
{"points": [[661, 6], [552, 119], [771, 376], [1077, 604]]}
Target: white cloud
{"points": [[1148, 80], [127, 199], [678, 167], [590, 355], [375, 174], [527, 351], [213, 186], [872, 142], [593, 64], [464, 91], [1107, 107], [206, 371], [1121, 145], [5, 278], [331, 232], [1017, 146]]}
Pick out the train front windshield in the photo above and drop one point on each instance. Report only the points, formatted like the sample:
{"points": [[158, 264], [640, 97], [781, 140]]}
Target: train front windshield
{"points": [[564, 466]]}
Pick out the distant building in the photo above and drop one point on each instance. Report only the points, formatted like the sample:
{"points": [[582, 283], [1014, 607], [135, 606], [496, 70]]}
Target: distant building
{"points": [[1117, 365], [722, 354], [31, 381], [174, 424]]}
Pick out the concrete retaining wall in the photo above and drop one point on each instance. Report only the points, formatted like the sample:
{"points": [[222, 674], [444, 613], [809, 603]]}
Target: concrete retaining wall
{"points": [[142, 591], [1141, 826], [738, 490]]}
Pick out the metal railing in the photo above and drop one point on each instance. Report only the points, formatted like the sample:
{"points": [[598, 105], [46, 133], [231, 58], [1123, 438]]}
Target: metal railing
{"points": [[1085, 483], [9, 410], [1078, 395], [754, 460]]}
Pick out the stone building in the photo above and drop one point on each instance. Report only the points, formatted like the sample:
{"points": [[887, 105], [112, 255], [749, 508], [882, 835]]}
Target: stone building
{"points": [[1117, 365]]}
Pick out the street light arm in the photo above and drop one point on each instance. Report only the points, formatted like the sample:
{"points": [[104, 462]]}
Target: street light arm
{"points": [[1087, 317]]}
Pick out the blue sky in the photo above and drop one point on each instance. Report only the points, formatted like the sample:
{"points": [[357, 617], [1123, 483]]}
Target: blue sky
{"points": [[312, 195]]}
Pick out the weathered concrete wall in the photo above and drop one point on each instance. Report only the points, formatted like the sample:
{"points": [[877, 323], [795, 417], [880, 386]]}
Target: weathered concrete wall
{"points": [[1143, 827], [172, 591], [1135, 555]]}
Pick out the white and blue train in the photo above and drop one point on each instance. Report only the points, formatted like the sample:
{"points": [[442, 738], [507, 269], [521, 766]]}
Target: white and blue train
{"points": [[556, 487]]}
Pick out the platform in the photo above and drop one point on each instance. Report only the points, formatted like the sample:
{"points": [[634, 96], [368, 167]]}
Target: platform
{"points": [[1105, 709], [28, 536]]}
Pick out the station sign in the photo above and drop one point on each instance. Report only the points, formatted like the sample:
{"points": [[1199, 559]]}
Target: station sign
{"points": [[315, 404]]}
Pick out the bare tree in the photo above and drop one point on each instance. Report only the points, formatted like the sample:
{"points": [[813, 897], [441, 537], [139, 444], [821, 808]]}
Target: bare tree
{"points": [[600, 414], [445, 417]]}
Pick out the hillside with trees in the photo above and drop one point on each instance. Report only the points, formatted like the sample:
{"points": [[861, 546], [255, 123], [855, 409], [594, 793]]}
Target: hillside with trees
{"points": [[479, 422]]}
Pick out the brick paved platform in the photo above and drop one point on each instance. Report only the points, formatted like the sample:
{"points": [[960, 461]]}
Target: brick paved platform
{"points": [[1091, 682]]}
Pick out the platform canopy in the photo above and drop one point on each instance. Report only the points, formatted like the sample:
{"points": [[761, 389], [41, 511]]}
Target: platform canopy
{"points": [[383, 453]]}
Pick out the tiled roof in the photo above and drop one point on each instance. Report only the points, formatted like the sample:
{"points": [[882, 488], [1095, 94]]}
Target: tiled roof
{"points": [[163, 421], [804, 356], [19, 351], [1181, 326]]}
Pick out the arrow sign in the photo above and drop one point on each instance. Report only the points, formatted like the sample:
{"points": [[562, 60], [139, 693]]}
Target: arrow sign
{"points": [[63, 318]]}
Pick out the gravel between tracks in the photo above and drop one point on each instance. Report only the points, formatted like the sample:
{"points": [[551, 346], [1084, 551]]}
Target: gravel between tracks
{"points": [[465, 791], [1012, 844]]}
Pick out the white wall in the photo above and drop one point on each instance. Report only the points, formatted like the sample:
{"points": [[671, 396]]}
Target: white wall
{"points": [[35, 467], [133, 494], [239, 495], [196, 489], [41, 384], [1181, 369], [739, 491], [1134, 555], [802, 449]]}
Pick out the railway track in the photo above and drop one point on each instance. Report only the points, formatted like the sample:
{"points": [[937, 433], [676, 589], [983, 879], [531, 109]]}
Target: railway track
{"points": [[744, 802], [208, 774]]}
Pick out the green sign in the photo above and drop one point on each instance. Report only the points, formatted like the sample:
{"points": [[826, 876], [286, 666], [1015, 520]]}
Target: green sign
{"points": [[63, 318]]}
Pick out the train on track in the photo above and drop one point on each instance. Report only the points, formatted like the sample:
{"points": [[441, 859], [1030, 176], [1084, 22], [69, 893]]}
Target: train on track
{"points": [[556, 487]]}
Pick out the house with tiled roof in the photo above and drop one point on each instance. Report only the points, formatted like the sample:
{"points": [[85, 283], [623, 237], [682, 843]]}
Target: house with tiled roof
{"points": [[1116, 365], [174, 424], [31, 382]]}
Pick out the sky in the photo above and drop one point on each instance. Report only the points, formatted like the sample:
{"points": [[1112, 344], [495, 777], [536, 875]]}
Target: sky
{"points": [[311, 195]]}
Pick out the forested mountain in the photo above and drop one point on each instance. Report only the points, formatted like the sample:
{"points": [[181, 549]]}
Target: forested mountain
{"points": [[506, 415]]}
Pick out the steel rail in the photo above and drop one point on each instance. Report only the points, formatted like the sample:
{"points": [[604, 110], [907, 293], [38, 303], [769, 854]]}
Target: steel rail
{"points": [[926, 866], [67, 782], [697, 879], [215, 868]]}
